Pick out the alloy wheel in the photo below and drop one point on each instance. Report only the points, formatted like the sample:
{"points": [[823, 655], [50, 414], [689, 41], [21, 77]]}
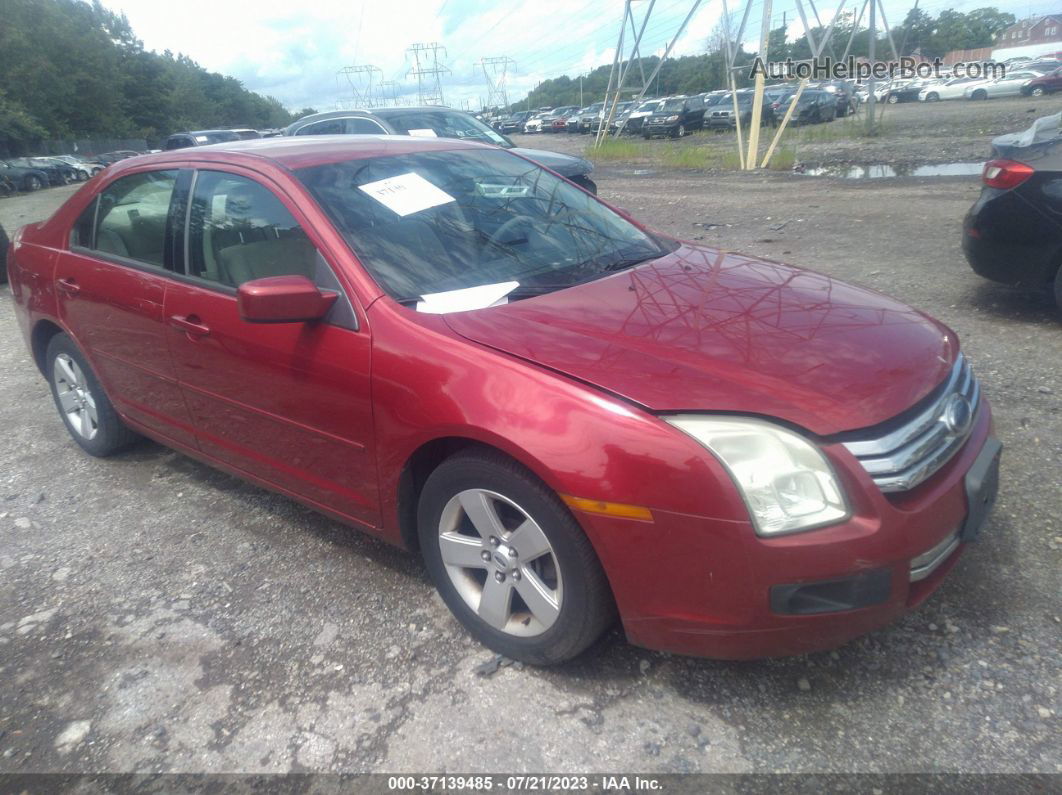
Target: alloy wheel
{"points": [[75, 399], [500, 562]]}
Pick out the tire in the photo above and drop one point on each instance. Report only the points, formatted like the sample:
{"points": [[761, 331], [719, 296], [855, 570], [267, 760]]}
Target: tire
{"points": [[33, 183], [979, 94], [69, 373], [680, 131], [893, 99], [932, 96], [573, 604], [1058, 289], [1038, 91]]}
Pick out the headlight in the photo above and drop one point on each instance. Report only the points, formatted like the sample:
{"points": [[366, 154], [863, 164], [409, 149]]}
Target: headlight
{"points": [[785, 480], [672, 118]]}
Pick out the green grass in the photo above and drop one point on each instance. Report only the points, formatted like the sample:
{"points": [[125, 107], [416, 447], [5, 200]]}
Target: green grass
{"points": [[617, 150]]}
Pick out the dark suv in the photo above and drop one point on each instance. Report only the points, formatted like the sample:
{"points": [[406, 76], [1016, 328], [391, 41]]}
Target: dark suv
{"points": [[182, 140], [676, 117], [436, 122]]}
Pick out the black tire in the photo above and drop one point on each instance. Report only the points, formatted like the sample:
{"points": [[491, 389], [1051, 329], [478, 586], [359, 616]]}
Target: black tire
{"points": [[979, 94], [111, 434], [33, 183], [680, 131], [893, 99], [586, 608], [1037, 91], [932, 96], [1058, 289]]}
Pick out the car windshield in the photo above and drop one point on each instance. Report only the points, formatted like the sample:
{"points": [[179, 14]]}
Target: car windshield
{"points": [[676, 103], [445, 124], [433, 222]]}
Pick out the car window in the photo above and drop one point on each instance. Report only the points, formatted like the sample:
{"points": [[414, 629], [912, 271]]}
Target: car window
{"points": [[444, 124], [239, 230], [130, 220], [361, 126], [436, 221], [326, 127]]}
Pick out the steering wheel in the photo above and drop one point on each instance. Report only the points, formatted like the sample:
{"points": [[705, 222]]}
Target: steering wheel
{"points": [[506, 229]]}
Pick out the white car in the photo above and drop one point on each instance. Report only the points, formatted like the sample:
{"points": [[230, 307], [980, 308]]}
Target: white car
{"points": [[534, 124], [85, 168], [1009, 86], [954, 88]]}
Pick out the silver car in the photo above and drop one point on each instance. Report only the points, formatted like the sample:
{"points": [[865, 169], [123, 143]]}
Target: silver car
{"points": [[1009, 86]]}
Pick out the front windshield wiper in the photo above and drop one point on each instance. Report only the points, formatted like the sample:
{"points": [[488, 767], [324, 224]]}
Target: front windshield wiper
{"points": [[628, 262]]}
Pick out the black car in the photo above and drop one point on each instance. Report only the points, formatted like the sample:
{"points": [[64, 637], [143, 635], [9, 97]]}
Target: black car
{"points": [[814, 106], [436, 122], [183, 140], [720, 115], [676, 117], [24, 177], [56, 174], [1013, 232], [515, 123]]}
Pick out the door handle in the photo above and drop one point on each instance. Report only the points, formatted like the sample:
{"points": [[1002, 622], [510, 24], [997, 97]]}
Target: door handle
{"points": [[189, 324], [68, 286]]}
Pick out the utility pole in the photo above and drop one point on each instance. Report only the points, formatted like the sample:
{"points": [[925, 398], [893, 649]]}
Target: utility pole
{"points": [[870, 57], [496, 72], [428, 71], [360, 79], [581, 105]]}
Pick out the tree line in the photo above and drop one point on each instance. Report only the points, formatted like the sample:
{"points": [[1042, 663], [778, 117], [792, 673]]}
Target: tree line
{"points": [[919, 33], [71, 69]]}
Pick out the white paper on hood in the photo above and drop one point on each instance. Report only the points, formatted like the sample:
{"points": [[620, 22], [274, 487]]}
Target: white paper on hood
{"points": [[406, 194], [423, 133], [466, 298]]}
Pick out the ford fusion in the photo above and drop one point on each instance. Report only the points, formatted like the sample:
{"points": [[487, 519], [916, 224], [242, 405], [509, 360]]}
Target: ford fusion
{"points": [[572, 419]]}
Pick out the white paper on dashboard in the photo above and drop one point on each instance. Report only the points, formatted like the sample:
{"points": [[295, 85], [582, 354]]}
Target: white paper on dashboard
{"points": [[406, 194], [466, 298], [425, 133]]}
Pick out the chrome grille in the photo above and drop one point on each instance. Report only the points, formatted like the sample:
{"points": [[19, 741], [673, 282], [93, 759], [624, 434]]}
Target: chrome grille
{"points": [[901, 458]]}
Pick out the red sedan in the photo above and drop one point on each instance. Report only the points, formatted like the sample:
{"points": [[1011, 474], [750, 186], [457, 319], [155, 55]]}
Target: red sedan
{"points": [[569, 416]]}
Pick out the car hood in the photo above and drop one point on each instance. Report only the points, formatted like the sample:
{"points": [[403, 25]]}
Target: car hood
{"points": [[708, 330], [565, 165]]}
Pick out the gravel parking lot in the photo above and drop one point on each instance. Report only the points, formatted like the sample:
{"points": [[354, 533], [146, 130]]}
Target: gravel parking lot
{"points": [[156, 615]]}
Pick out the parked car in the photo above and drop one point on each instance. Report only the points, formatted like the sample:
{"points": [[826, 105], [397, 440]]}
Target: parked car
{"points": [[1013, 232], [25, 178], [109, 158], [433, 121], [619, 115], [590, 117], [7, 187], [183, 140], [458, 352], [675, 117], [57, 173], [814, 107], [246, 134], [534, 124], [636, 116], [557, 118], [1047, 83], [67, 172], [515, 123], [720, 116], [954, 88], [88, 168], [1009, 86], [575, 120]]}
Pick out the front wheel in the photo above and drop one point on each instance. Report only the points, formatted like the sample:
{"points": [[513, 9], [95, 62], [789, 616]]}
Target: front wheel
{"points": [[680, 131], [509, 560], [1038, 91], [932, 96], [84, 406], [893, 99], [979, 94], [33, 183]]}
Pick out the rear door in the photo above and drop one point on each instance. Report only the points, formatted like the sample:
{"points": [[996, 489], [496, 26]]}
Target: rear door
{"points": [[111, 285], [285, 402]]}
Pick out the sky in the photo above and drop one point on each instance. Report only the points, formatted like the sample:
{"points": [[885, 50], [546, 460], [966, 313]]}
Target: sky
{"points": [[295, 53]]}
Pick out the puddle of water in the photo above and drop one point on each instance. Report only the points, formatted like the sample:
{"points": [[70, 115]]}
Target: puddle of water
{"points": [[877, 171]]}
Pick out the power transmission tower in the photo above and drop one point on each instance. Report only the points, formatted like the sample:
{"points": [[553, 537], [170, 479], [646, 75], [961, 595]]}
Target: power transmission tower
{"points": [[496, 70], [428, 71], [361, 79], [625, 58], [387, 95]]}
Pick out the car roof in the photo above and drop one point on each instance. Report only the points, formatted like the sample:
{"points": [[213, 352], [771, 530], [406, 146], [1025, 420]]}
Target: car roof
{"points": [[295, 152]]}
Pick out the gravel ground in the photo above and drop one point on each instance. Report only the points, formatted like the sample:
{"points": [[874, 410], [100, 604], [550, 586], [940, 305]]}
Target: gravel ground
{"points": [[156, 615], [911, 134]]}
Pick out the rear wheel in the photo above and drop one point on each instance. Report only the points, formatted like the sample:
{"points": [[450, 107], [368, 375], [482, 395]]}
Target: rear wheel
{"points": [[1037, 91], [979, 94], [33, 182], [84, 406], [932, 96], [893, 99], [510, 561]]}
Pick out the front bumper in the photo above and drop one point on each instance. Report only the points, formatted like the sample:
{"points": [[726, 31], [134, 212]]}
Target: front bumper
{"points": [[713, 588]]}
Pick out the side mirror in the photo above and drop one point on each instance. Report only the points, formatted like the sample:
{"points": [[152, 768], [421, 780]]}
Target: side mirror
{"points": [[283, 299]]}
